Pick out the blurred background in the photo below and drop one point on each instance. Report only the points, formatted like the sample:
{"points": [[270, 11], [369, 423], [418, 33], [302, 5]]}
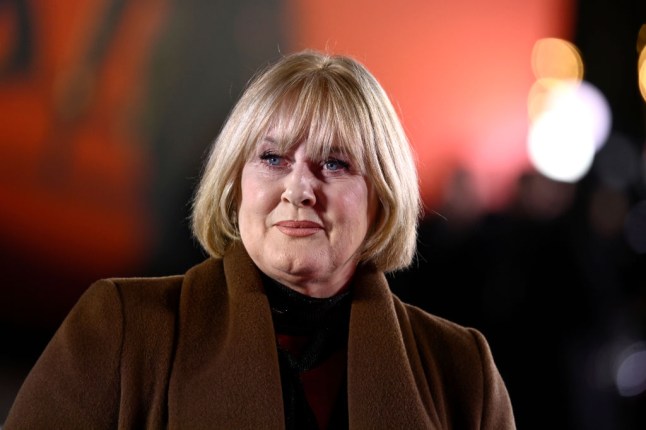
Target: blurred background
{"points": [[528, 121]]}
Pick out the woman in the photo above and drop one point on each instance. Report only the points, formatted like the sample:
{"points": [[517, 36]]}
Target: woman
{"points": [[308, 197]]}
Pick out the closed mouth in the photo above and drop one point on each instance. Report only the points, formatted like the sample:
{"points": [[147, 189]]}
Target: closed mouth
{"points": [[299, 224], [299, 228]]}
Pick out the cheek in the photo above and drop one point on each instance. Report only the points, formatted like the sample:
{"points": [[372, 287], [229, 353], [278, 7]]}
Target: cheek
{"points": [[257, 197], [357, 205], [248, 200]]}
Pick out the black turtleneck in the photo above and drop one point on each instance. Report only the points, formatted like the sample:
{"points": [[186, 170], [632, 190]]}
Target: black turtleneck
{"points": [[312, 336]]}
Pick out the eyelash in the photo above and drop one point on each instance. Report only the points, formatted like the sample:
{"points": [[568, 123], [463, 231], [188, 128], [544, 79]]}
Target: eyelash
{"points": [[265, 157], [342, 164]]}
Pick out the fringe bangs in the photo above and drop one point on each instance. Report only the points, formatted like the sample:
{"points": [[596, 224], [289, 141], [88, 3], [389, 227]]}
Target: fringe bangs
{"points": [[328, 115]]}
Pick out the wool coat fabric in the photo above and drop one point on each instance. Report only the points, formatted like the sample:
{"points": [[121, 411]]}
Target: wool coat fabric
{"points": [[198, 351]]}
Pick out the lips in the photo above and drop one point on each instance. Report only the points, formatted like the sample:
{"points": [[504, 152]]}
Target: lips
{"points": [[299, 228]]}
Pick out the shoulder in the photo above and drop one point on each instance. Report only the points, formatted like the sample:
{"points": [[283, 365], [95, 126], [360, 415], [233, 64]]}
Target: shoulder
{"points": [[148, 293], [439, 333], [137, 307], [456, 355], [153, 292], [458, 362], [122, 299]]}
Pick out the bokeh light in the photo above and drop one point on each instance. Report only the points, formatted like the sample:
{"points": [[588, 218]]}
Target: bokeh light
{"points": [[618, 163], [569, 118], [631, 371], [554, 61], [554, 58], [572, 124], [642, 73], [558, 149], [641, 64]]}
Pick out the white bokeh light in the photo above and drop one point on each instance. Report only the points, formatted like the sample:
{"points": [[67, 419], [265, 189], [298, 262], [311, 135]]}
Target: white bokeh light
{"points": [[559, 150], [631, 372], [573, 124]]}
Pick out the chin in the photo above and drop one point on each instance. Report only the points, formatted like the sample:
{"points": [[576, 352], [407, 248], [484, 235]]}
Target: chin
{"points": [[299, 267]]}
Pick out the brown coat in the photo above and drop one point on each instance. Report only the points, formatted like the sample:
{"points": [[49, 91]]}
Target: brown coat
{"points": [[198, 351]]}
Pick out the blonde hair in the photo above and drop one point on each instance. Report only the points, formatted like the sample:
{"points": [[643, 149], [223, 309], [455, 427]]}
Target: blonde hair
{"points": [[333, 102]]}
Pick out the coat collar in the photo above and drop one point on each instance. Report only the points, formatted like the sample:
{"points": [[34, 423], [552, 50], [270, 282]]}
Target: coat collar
{"points": [[382, 389], [226, 365]]}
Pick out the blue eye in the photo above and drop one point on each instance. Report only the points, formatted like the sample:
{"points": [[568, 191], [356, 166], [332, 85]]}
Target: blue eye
{"points": [[271, 159], [334, 165]]}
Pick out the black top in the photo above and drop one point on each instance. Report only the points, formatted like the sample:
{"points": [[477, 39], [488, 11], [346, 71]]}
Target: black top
{"points": [[323, 322]]}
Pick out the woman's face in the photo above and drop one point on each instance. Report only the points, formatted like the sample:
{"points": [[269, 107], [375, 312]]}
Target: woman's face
{"points": [[303, 221]]}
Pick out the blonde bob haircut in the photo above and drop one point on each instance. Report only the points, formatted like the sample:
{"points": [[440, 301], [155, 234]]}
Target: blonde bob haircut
{"points": [[333, 103]]}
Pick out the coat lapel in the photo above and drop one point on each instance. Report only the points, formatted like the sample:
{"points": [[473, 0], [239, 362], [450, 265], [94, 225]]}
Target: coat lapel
{"points": [[226, 366], [382, 391]]}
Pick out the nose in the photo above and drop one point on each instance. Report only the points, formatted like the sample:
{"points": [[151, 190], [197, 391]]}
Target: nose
{"points": [[300, 186]]}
